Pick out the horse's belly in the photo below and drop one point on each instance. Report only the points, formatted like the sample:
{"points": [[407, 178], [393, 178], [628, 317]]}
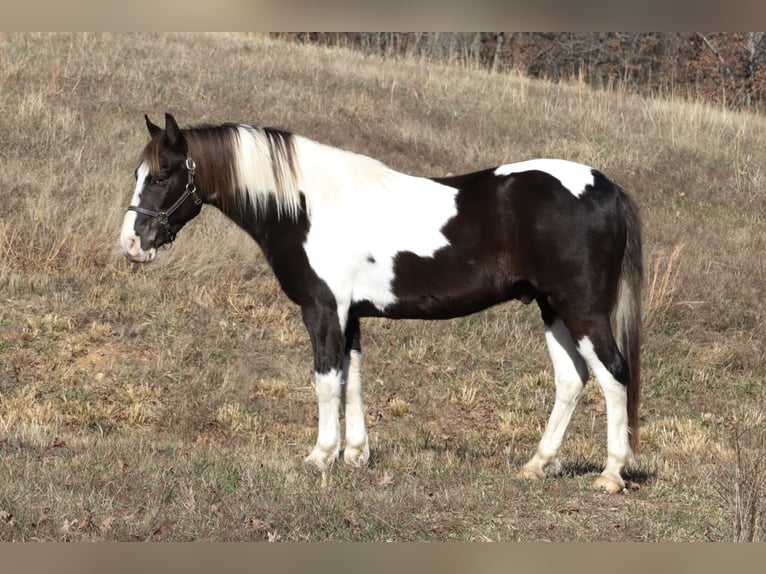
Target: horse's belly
{"points": [[444, 286]]}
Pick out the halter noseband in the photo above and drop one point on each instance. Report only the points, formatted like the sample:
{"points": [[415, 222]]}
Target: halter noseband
{"points": [[163, 216]]}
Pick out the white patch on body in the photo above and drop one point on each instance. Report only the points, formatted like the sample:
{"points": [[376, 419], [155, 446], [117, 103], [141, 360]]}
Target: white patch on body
{"points": [[130, 242], [362, 215], [573, 176]]}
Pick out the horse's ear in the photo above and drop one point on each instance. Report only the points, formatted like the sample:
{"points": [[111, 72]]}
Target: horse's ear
{"points": [[153, 130], [172, 131]]}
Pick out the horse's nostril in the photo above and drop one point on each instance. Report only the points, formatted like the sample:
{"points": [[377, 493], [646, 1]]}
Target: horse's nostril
{"points": [[133, 245]]}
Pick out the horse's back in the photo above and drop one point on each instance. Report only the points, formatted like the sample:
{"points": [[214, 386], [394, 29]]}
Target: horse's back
{"points": [[515, 235]]}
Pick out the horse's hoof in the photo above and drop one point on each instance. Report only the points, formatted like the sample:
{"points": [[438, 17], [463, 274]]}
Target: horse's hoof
{"points": [[320, 459], [357, 457], [531, 473], [608, 484]]}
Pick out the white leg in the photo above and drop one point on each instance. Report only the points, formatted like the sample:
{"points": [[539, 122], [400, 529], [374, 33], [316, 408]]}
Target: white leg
{"points": [[327, 387], [570, 372], [618, 445], [357, 449]]}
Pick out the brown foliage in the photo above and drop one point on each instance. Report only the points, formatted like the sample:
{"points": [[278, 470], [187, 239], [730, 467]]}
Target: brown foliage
{"points": [[723, 68]]}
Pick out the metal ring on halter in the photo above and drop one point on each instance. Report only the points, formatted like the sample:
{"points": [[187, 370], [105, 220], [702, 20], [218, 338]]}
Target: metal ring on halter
{"points": [[191, 188], [163, 217]]}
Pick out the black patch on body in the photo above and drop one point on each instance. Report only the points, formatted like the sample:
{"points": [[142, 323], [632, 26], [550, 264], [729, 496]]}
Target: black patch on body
{"points": [[522, 236]]}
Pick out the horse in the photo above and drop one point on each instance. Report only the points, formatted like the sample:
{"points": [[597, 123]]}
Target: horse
{"points": [[348, 237]]}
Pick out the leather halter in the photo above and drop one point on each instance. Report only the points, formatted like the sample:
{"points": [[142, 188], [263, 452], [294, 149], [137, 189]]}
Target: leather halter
{"points": [[163, 216]]}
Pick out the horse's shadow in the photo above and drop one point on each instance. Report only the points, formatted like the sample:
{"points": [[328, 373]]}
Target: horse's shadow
{"points": [[574, 469], [567, 469]]}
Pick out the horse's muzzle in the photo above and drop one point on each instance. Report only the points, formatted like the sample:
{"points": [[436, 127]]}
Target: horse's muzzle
{"points": [[131, 247]]}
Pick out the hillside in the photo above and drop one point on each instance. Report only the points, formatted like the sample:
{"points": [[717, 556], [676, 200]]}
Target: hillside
{"points": [[174, 401]]}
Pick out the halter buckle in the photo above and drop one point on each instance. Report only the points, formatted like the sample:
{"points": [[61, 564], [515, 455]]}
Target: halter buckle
{"points": [[191, 189]]}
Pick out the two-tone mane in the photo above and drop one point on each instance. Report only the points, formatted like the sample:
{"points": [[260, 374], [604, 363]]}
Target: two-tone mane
{"points": [[249, 166], [222, 156], [348, 237]]}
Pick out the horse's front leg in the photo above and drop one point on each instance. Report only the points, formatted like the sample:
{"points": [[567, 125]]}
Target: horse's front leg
{"points": [[327, 341], [357, 448]]}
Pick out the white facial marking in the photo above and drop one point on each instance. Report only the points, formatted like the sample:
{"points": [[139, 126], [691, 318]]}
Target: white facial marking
{"points": [[130, 242], [574, 176]]}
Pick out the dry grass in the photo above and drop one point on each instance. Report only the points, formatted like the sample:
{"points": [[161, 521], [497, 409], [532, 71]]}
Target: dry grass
{"points": [[748, 473], [662, 285], [174, 402]]}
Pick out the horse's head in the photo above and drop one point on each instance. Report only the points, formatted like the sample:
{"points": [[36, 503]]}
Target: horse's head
{"points": [[165, 197]]}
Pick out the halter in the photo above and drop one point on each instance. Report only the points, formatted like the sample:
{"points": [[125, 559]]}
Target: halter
{"points": [[163, 216]]}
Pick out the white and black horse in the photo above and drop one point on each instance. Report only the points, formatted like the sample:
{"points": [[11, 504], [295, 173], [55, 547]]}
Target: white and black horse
{"points": [[348, 237]]}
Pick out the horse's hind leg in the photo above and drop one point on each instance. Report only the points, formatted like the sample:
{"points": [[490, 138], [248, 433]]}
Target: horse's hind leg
{"points": [[357, 448], [571, 373], [600, 351]]}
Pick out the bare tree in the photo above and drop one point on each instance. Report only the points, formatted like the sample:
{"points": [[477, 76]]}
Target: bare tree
{"points": [[729, 68]]}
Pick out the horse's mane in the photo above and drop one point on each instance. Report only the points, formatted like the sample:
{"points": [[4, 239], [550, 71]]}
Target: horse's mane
{"points": [[246, 164], [241, 164]]}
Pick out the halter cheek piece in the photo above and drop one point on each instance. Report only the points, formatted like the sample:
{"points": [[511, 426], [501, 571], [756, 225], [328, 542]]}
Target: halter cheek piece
{"points": [[163, 217]]}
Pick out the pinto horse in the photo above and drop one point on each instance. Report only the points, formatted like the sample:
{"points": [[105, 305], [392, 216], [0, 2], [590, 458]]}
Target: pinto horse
{"points": [[348, 237]]}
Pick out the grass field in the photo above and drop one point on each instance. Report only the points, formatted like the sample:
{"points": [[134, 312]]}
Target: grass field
{"points": [[174, 401]]}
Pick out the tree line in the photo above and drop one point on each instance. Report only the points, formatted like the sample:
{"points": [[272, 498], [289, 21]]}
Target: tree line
{"points": [[725, 68]]}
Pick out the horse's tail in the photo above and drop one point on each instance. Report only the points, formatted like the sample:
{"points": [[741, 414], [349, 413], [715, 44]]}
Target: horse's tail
{"points": [[627, 311]]}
